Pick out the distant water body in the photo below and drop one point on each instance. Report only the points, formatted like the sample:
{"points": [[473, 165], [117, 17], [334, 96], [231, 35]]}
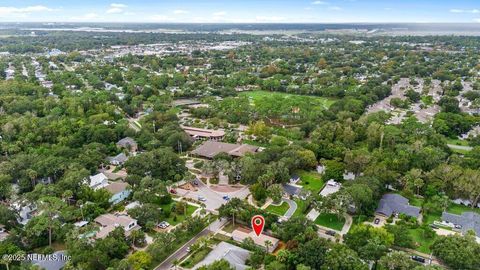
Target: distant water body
{"points": [[360, 28]]}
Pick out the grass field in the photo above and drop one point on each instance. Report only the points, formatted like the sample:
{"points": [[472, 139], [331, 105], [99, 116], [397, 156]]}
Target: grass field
{"points": [[278, 210], [311, 181], [179, 218], [330, 221], [284, 108], [319, 102], [423, 244], [300, 207], [457, 142]]}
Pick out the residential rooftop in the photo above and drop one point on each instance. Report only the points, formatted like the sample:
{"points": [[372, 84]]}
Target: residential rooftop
{"points": [[396, 204]]}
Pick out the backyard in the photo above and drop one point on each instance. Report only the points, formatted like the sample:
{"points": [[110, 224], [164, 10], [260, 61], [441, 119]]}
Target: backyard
{"points": [[423, 243], [174, 218], [311, 181], [331, 221]]}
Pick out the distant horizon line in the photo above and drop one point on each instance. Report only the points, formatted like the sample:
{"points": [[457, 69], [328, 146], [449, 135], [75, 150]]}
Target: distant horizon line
{"points": [[233, 23]]}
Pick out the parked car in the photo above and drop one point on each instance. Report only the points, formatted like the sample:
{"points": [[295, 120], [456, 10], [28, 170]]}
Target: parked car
{"points": [[376, 221], [202, 199], [418, 259], [163, 225], [195, 182], [331, 233], [226, 198], [173, 191], [188, 249]]}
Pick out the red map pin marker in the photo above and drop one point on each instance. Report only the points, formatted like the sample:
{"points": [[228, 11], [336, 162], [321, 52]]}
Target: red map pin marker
{"points": [[258, 222]]}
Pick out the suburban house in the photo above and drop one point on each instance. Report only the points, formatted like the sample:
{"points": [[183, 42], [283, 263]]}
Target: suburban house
{"points": [[349, 176], [118, 159], [210, 149], [392, 204], [330, 187], [55, 261], [128, 143], [25, 211], [3, 233], [204, 134], [467, 221], [119, 190], [108, 223], [235, 256], [294, 179], [98, 181], [241, 234], [465, 202], [295, 191]]}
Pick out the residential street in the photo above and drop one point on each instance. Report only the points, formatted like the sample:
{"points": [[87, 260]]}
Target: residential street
{"points": [[182, 252]]}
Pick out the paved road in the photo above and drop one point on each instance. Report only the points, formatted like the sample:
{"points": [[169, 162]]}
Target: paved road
{"points": [[182, 252], [291, 210]]}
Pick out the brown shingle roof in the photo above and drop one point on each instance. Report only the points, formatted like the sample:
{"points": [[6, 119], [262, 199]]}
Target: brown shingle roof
{"points": [[116, 187]]}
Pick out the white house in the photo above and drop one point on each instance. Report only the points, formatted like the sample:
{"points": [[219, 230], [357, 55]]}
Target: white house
{"points": [[119, 190], [98, 181]]}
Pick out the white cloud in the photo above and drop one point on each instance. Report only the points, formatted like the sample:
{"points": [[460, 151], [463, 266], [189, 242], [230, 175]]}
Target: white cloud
{"points": [[335, 8], [477, 20], [219, 13], [116, 8], [319, 3], [116, 5], [180, 11], [14, 11], [474, 11]]}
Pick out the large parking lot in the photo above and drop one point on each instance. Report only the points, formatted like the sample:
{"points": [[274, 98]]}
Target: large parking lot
{"points": [[213, 199]]}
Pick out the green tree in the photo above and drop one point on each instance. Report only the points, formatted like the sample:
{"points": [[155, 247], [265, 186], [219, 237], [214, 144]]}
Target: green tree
{"points": [[396, 260]]}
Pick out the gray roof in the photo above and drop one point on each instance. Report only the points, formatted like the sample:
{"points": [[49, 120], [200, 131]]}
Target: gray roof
{"points": [[120, 158], [467, 220], [395, 203], [291, 189], [235, 256], [125, 142], [50, 263]]}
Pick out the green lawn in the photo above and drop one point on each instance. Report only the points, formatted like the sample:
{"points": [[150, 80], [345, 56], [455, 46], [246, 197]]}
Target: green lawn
{"points": [[196, 257], [330, 221], [179, 218], [457, 142], [300, 207], [423, 244], [278, 210], [311, 181], [229, 227], [258, 96]]}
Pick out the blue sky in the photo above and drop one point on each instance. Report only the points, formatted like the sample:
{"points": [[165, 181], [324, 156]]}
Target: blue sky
{"points": [[241, 11]]}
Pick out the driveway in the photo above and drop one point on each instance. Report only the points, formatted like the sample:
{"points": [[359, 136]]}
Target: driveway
{"points": [[213, 199], [291, 210]]}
